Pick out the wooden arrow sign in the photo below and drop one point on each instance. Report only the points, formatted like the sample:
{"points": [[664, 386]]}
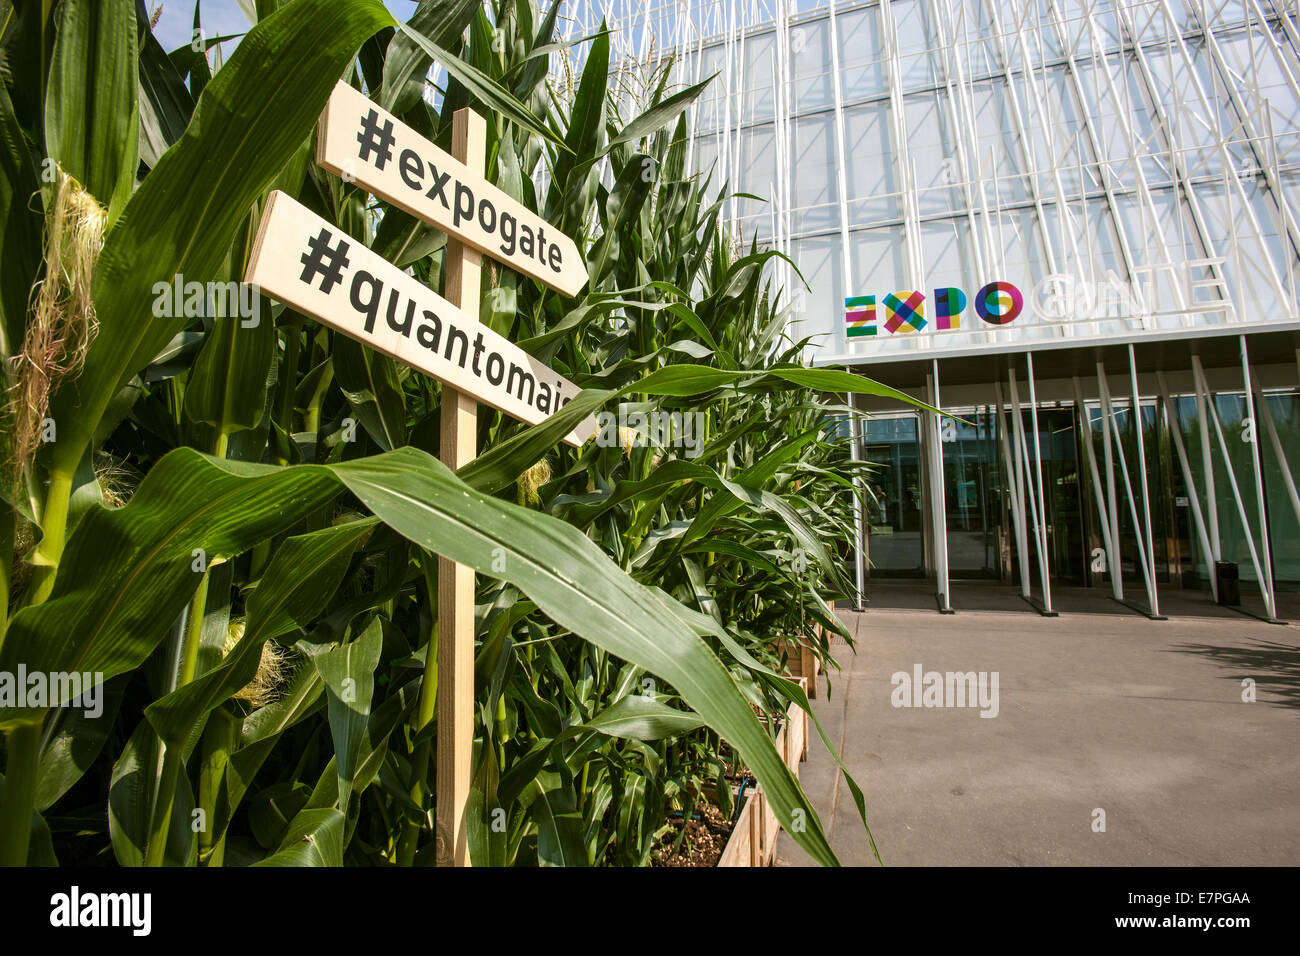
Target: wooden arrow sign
{"points": [[318, 269], [373, 148]]}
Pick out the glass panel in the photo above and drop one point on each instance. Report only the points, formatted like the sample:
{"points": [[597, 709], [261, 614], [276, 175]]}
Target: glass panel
{"points": [[1058, 443], [814, 164], [816, 312], [946, 250], [758, 171], [758, 78], [896, 509], [877, 261], [810, 64], [861, 56], [971, 459], [932, 152], [870, 174], [1283, 525]]}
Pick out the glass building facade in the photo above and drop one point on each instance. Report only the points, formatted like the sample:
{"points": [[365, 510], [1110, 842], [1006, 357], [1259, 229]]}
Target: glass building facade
{"points": [[1107, 189]]}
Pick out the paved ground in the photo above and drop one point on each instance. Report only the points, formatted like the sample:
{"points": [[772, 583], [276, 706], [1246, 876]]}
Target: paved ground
{"points": [[1099, 708]]}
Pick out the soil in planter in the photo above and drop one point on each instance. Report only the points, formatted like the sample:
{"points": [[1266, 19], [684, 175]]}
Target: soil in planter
{"points": [[703, 844]]}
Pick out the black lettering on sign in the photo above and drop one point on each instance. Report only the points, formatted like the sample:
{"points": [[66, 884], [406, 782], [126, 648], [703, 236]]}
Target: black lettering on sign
{"points": [[315, 268], [404, 168]]}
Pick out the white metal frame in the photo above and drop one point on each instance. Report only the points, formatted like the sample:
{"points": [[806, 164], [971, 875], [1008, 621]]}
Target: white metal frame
{"points": [[1162, 118], [1166, 123]]}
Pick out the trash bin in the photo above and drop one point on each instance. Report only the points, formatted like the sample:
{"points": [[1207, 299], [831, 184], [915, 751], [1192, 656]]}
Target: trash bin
{"points": [[1229, 582]]}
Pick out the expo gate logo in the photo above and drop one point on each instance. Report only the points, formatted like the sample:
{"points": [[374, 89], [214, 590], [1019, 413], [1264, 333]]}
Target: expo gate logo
{"points": [[898, 313]]}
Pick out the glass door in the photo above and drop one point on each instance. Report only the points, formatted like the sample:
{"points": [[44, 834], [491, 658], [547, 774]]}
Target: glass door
{"points": [[1058, 440], [970, 463], [895, 508]]}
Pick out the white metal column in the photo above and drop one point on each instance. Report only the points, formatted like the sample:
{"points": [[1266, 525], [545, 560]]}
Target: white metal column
{"points": [[1108, 410], [1203, 399], [1098, 493], [1112, 499], [1043, 568], [1023, 479], [1270, 599], [1153, 591], [1016, 491], [938, 498]]}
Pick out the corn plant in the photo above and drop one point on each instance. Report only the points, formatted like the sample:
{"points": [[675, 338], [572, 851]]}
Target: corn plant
{"points": [[231, 527]]}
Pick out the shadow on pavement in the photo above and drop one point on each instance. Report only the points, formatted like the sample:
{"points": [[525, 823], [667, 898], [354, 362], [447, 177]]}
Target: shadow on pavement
{"points": [[1274, 667]]}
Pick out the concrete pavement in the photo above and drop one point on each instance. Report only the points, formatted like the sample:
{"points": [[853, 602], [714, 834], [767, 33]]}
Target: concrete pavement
{"points": [[1107, 711]]}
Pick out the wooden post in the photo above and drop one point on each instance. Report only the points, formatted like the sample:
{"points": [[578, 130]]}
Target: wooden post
{"points": [[456, 581]]}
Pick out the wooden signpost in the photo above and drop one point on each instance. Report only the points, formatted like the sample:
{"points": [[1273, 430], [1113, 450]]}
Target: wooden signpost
{"points": [[319, 270]]}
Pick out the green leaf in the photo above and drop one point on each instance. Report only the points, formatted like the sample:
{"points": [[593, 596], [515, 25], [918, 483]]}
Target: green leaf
{"points": [[165, 103], [587, 117], [20, 228], [130, 804], [128, 573], [227, 386], [91, 111], [660, 115], [499, 466], [407, 65], [303, 576], [250, 120], [559, 825], [73, 741], [315, 838], [369, 381], [642, 718], [349, 676], [494, 96]]}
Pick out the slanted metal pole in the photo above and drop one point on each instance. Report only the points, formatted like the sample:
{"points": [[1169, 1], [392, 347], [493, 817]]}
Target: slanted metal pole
{"points": [[1022, 463], [1022, 468], [1232, 480], [1203, 401], [1270, 602], [1098, 494], [1193, 495], [1128, 490], [1152, 590], [1017, 498], [1288, 479], [1042, 501], [1112, 500]]}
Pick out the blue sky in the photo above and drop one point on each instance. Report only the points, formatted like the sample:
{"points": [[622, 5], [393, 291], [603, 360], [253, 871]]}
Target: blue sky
{"points": [[223, 17]]}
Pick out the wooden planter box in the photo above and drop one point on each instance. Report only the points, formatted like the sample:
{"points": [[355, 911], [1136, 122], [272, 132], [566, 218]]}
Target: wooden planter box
{"points": [[753, 840], [802, 662]]}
